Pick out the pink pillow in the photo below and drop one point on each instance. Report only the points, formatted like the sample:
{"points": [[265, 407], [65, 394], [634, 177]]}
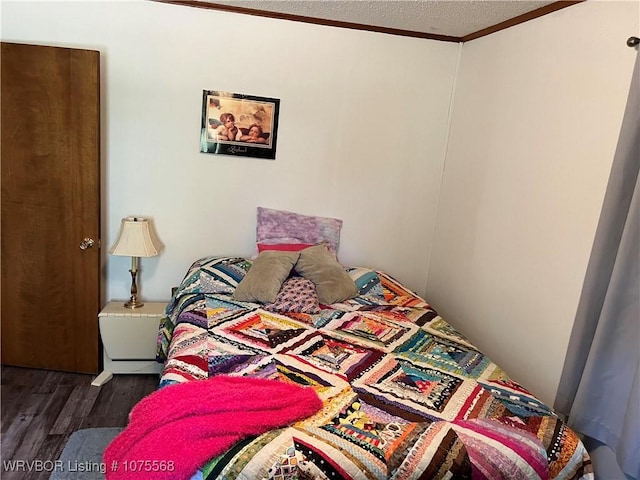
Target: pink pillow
{"points": [[283, 247]]}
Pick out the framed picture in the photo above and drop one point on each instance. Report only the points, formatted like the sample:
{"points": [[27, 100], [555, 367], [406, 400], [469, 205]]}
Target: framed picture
{"points": [[238, 124]]}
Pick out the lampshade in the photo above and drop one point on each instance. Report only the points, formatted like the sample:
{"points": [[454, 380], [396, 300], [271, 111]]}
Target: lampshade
{"points": [[136, 239]]}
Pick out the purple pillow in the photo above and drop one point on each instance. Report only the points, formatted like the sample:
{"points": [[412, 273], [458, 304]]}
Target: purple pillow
{"points": [[279, 226], [297, 295]]}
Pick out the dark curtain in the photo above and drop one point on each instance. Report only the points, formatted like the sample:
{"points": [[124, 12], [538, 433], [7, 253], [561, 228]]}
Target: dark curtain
{"points": [[600, 383]]}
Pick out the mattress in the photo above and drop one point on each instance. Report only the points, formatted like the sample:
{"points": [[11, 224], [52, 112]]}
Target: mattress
{"points": [[404, 394]]}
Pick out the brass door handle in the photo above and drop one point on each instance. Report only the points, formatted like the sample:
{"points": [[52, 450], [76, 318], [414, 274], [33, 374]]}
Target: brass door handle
{"points": [[87, 243]]}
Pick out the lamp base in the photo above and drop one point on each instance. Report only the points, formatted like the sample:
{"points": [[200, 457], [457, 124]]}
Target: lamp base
{"points": [[133, 300], [133, 303]]}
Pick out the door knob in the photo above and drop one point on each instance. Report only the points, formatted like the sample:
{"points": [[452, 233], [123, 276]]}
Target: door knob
{"points": [[87, 243]]}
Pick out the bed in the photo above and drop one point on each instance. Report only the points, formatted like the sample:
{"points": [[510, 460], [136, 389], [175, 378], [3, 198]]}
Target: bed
{"points": [[403, 395]]}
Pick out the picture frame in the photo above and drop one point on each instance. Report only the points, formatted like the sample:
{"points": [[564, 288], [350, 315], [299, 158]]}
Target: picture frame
{"points": [[238, 124]]}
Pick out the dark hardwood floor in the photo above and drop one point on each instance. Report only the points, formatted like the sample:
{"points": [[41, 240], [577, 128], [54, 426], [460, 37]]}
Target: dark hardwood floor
{"points": [[41, 409]]}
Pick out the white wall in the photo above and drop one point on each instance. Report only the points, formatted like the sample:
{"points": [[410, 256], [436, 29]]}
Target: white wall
{"points": [[363, 118], [363, 129], [536, 116]]}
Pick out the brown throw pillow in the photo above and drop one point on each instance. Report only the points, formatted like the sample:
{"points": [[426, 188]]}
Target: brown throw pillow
{"points": [[332, 282], [264, 279]]}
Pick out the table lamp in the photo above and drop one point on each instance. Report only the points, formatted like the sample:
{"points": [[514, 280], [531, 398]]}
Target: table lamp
{"points": [[135, 239]]}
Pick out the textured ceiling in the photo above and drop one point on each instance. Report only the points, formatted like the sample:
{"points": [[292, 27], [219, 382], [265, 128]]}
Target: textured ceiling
{"points": [[455, 18]]}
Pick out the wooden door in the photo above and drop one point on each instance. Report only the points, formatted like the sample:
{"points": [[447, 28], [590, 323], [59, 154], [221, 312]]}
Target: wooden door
{"points": [[50, 203]]}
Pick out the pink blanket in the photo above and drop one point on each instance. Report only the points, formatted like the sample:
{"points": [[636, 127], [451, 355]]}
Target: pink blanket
{"points": [[175, 430]]}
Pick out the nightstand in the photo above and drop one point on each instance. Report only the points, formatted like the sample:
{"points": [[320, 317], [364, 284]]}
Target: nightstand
{"points": [[129, 338]]}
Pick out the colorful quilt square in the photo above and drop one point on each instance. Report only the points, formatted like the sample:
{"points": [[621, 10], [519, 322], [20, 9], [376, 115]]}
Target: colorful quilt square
{"points": [[263, 330], [437, 326], [371, 429], [227, 345], [396, 294], [222, 275], [190, 339], [372, 330], [416, 392], [317, 320], [332, 389], [337, 356], [494, 376], [242, 365], [286, 467], [425, 349], [221, 309], [521, 405]]}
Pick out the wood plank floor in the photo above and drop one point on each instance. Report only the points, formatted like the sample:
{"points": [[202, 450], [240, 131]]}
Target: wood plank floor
{"points": [[41, 409]]}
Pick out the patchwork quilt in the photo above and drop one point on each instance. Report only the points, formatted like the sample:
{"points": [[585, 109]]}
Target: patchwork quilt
{"points": [[405, 396]]}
